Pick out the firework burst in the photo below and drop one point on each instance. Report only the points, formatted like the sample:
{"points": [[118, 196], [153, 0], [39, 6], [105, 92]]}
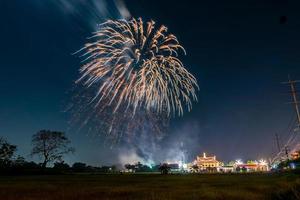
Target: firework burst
{"points": [[136, 65]]}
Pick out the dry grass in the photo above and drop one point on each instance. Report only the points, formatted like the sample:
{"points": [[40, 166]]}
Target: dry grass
{"points": [[150, 186]]}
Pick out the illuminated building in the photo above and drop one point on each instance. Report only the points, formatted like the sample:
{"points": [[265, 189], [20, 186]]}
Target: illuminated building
{"points": [[174, 167], [207, 163], [227, 168], [251, 166]]}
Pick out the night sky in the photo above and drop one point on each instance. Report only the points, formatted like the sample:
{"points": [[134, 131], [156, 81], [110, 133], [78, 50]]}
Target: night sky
{"points": [[239, 51]]}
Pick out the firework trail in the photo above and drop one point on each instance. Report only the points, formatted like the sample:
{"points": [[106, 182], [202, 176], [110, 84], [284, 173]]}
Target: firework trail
{"points": [[135, 66]]}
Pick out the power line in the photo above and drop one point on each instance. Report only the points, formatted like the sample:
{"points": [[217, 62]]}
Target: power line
{"points": [[277, 142], [292, 84], [285, 149]]}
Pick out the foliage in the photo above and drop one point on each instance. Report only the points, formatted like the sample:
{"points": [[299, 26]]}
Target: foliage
{"points": [[244, 169], [7, 151], [19, 161], [138, 167], [130, 167], [61, 166], [164, 168], [79, 167]]}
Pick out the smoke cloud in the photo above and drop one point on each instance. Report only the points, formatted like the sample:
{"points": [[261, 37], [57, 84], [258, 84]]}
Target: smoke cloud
{"points": [[177, 146], [92, 12]]}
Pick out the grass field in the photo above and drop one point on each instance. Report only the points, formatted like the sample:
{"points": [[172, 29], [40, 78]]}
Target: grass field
{"points": [[150, 186]]}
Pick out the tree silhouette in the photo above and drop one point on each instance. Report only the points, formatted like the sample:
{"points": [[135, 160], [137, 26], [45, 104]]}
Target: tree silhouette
{"points": [[130, 167], [61, 166], [164, 168], [79, 167], [7, 151], [50, 145]]}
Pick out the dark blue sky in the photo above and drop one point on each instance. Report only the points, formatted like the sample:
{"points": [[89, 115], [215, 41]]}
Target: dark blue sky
{"points": [[238, 51]]}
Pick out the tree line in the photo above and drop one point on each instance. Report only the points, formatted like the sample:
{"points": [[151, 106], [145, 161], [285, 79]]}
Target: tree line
{"points": [[50, 147]]}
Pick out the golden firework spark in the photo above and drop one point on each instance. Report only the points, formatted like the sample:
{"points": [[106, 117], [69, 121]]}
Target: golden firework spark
{"points": [[137, 65]]}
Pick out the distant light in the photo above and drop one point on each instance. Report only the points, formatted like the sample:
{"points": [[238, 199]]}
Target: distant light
{"points": [[263, 162], [185, 166], [180, 164], [293, 166], [274, 166], [239, 162]]}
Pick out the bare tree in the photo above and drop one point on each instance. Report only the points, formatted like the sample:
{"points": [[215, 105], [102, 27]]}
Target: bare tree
{"points": [[50, 145]]}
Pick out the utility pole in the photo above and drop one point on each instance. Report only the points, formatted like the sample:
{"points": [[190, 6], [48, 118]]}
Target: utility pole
{"points": [[292, 84], [293, 91], [286, 152]]}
